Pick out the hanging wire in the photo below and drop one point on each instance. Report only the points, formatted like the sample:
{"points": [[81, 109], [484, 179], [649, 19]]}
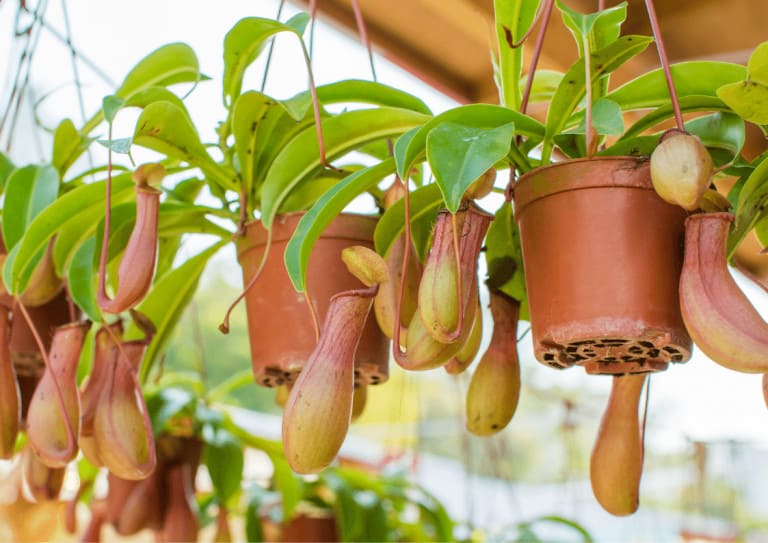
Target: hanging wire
{"points": [[312, 18], [547, 14], [271, 48], [73, 56], [664, 58], [360, 21], [25, 62]]}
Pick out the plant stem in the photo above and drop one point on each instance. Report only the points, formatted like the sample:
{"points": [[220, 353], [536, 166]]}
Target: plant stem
{"points": [[665, 63], [588, 81], [547, 13]]}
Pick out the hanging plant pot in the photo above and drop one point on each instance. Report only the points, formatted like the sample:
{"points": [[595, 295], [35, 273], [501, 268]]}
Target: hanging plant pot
{"points": [[280, 327], [602, 255]]}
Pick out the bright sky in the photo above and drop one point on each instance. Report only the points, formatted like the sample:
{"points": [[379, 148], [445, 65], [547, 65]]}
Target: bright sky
{"points": [[699, 400]]}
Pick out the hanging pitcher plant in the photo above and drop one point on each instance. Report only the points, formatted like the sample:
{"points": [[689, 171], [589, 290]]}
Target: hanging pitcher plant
{"points": [[612, 240], [582, 144]]}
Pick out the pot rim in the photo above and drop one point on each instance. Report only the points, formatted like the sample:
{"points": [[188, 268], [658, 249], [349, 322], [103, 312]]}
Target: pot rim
{"points": [[345, 226], [619, 172]]}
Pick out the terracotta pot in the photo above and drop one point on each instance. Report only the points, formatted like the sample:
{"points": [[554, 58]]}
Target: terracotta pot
{"points": [[280, 326], [602, 256], [301, 528]]}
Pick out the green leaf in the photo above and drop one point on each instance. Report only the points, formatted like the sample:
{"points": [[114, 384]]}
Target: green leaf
{"points": [[545, 84], [720, 131], [504, 257], [225, 467], [67, 146], [309, 191], [572, 88], [82, 281], [424, 205], [165, 128], [170, 64], [342, 133], [636, 146], [747, 98], [110, 105], [607, 119], [315, 221], [121, 145], [688, 104], [354, 91], [695, 78], [757, 67], [586, 537], [29, 190], [412, 146], [253, 531], [601, 28], [168, 402], [751, 205], [245, 41], [166, 301], [761, 231], [73, 218], [459, 154], [6, 167], [290, 485], [513, 18], [247, 114]]}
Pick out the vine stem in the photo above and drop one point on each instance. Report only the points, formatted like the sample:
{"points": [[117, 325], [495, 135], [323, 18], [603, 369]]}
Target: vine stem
{"points": [[664, 58], [546, 14], [107, 221], [397, 352], [545, 9], [224, 326], [364, 35], [71, 438], [271, 49], [588, 113]]}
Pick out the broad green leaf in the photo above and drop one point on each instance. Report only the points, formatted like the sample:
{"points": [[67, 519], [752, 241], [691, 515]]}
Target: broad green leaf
{"points": [[29, 190], [751, 205], [761, 231], [424, 205], [167, 300], [290, 485], [167, 65], [636, 146], [586, 537], [315, 221], [354, 91], [247, 114], [688, 104], [695, 78], [225, 467], [513, 18], [601, 28], [67, 146], [747, 98], [6, 167], [341, 133], [545, 84], [606, 119], [572, 88], [757, 67], [255, 499], [719, 131], [503, 256], [413, 146], [165, 128], [309, 191], [245, 41], [83, 281], [73, 218], [459, 154]]}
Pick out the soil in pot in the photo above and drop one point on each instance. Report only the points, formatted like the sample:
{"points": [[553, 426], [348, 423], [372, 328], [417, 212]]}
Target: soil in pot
{"points": [[280, 327], [602, 255]]}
